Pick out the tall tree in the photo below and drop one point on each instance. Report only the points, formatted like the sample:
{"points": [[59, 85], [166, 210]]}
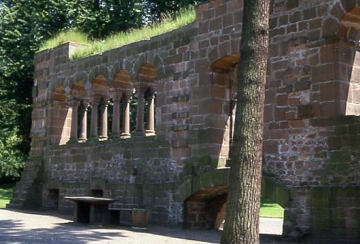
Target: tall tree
{"points": [[243, 203], [23, 26]]}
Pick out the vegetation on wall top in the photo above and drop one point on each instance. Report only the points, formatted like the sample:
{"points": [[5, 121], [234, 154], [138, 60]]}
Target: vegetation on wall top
{"points": [[122, 38]]}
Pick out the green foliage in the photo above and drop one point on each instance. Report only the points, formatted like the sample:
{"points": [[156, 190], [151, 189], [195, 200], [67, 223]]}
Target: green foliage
{"points": [[5, 194], [20, 36], [11, 159]]}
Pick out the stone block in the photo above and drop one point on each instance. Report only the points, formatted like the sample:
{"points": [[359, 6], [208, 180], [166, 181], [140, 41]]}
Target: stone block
{"points": [[201, 65], [227, 21], [208, 14], [292, 4], [282, 99], [341, 130], [237, 16], [323, 73], [302, 85], [310, 13], [273, 22], [277, 32], [297, 123], [296, 17], [304, 111], [221, 10], [334, 143], [279, 7], [330, 28], [292, 28], [328, 54], [204, 27], [339, 157], [270, 147], [279, 65]]}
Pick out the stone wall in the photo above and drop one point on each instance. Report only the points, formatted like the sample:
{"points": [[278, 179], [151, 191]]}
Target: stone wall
{"points": [[311, 134]]}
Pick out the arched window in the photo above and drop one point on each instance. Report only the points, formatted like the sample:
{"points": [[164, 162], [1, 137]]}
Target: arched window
{"points": [[145, 92]]}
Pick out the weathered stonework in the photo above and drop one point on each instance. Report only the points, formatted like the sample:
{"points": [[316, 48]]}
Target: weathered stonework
{"points": [[173, 161]]}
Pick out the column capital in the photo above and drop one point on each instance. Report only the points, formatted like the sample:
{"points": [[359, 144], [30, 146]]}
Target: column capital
{"points": [[141, 85], [128, 93], [73, 102], [95, 98], [85, 103], [150, 96], [116, 93]]}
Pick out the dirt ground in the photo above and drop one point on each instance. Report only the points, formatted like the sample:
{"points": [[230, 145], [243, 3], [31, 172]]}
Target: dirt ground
{"points": [[23, 227]]}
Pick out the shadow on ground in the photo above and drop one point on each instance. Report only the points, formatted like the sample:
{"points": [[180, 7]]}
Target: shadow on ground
{"points": [[41, 228], [16, 231]]}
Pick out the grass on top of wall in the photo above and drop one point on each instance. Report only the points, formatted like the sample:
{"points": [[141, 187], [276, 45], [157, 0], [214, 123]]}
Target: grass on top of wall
{"points": [[116, 40], [5, 194], [66, 36]]}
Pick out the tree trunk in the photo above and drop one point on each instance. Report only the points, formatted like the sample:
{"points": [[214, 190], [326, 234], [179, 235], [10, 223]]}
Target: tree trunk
{"points": [[243, 203]]}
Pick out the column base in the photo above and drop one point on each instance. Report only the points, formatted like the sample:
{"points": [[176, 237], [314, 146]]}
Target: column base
{"points": [[103, 138], [125, 135], [150, 132]]}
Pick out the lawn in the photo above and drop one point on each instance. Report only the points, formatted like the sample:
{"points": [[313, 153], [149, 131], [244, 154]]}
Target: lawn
{"points": [[5, 194], [270, 210]]}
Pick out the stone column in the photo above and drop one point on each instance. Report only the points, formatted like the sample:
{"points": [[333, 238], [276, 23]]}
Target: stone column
{"points": [[83, 116], [126, 116], [150, 128], [115, 129], [74, 120], [104, 120], [94, 119], [140, 112]]}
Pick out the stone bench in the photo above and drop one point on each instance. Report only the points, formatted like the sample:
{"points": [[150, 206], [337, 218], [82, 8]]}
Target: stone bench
{"points": [[139, 216], [115, 214]]}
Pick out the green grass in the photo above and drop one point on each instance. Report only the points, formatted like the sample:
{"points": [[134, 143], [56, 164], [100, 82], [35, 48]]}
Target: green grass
{"points": [[269, 209], [66, 36], [117, 40], [5, 194]]}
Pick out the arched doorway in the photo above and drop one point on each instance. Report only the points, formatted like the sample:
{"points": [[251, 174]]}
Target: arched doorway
{"points": [[204, 198]]}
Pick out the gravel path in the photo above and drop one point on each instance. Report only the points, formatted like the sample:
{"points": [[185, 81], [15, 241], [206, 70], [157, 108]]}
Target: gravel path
{"points": [[23, 227]]}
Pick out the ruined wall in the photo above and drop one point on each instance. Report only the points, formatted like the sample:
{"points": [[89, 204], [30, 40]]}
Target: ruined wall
{"points": [[311, 114], [188, 140], [311, 134], [311, 76]]}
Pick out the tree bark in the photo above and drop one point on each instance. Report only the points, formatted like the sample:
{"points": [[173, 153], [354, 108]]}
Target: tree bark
{"points": [[243, 203]]}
